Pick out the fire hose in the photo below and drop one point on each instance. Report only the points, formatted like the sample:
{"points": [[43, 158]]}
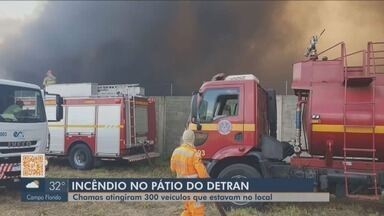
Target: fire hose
{"points": [[144, 144]]}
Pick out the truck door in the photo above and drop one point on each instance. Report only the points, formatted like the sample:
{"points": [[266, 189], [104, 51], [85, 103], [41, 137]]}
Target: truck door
{"points": [[222, 119], [108, 130]]}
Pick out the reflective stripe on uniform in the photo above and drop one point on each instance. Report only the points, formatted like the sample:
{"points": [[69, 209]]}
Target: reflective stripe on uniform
{"points": [[186, 162], [184, 152], [49, 80], [182, 160]]}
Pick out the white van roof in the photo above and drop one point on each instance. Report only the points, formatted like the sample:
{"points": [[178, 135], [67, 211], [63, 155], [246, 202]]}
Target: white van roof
{"points": [[19, 84]]}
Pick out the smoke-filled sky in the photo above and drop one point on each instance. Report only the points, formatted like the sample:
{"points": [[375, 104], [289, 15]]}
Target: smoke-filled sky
{"points": [[156, 43]]}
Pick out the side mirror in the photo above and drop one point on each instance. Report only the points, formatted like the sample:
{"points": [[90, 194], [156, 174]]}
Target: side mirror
{"points": [[59, 107], [59, 100], [194, 107], [59, 112], [195, 117]]}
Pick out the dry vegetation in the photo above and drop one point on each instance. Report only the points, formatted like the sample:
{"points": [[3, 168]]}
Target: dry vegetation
{"points": [[10, 204]]}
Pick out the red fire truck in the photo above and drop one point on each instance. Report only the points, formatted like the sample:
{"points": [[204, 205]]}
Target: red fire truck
{"points": [[103, 123], [339, 112]]}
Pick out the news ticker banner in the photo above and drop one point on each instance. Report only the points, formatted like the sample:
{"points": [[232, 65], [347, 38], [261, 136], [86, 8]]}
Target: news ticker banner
{"points": [[169, 190]]}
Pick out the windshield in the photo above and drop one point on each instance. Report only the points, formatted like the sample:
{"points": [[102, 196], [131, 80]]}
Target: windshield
{"points": [[218, 103], [21, 105]]}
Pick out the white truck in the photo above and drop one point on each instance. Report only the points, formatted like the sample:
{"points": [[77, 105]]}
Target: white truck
{"points": [[23, 125]]}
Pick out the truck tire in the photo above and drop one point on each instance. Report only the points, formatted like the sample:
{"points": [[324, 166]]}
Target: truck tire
{"points": [[80, 157], [240, 171]]}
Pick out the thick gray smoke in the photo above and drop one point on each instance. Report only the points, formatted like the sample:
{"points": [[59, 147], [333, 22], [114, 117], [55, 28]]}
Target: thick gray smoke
{"points": [[156, 43]]}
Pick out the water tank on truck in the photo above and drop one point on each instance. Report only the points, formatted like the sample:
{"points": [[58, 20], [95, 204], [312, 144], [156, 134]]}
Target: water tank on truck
{"points": [[343, 105]]}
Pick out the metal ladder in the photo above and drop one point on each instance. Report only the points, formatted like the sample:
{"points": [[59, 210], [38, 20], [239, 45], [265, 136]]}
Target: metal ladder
{"points": [[367, 79], [132, 111]]}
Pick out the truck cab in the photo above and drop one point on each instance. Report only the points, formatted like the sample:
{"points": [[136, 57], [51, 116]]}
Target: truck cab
{"points": [[234, 120], [23, 125]]}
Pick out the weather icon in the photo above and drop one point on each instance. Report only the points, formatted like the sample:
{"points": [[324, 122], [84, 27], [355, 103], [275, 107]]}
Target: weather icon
{"points": [[33, 185]]}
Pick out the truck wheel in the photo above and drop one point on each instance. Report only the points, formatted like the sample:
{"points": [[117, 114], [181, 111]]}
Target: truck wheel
{"points": [[240, 171], [80, 157]]}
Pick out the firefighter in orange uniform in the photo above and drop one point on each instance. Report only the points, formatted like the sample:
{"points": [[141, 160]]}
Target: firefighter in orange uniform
{"points": [[186, 162]]}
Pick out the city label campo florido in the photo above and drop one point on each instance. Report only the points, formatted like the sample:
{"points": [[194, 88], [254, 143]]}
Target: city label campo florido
{"points": [[161, 185]]}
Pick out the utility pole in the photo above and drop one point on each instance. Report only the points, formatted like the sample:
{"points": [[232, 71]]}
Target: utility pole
{"points": [[171, 88]]}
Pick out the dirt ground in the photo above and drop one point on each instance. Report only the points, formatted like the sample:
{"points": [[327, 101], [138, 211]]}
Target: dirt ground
{"points": [[10, 199]]}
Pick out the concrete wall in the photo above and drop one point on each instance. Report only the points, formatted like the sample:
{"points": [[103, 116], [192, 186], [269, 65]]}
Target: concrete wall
{"points": [[286, 112], [172, 113], [171, 116]]}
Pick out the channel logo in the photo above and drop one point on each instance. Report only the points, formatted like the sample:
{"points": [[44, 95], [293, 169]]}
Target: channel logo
{"points": [[18, 134]]}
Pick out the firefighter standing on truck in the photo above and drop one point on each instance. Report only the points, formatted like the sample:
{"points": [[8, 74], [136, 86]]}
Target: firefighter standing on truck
{"points": [[186, 162], [49, 79]]}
